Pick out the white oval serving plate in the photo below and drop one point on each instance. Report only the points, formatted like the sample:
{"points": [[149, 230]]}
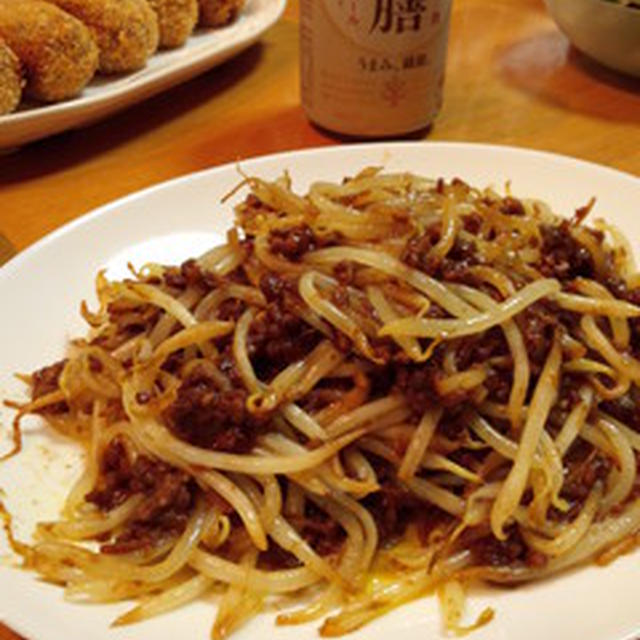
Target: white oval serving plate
{"points": [[105, 95], [41, 289]]}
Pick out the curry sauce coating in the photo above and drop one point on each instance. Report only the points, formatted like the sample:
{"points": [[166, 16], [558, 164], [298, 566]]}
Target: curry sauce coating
{"points": [[57, 52], [10, 79], [126, 30], [217, 13], [176, 19]]}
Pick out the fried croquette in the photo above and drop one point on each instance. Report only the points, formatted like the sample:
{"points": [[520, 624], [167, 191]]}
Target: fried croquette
{"points": [[176, 20], [217, 13], [126, 30], [56, 51], [10, 79]]}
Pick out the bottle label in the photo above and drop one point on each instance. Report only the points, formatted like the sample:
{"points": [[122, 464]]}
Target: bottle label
{"points": [[373, 67]]}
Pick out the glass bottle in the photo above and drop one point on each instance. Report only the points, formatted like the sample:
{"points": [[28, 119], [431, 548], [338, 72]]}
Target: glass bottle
{"points": [[373, 68]]}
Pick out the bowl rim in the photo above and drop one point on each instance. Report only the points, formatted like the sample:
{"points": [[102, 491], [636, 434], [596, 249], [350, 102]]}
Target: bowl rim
{"points": [[620, 6]]}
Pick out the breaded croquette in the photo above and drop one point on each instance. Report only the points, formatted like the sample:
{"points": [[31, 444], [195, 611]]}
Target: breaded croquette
{"points": [[176, 19], [10, 79], [126, 30], [57, 53], [217, 13]]}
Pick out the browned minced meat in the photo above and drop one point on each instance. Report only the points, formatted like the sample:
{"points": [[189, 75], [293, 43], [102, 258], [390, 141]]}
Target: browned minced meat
{"points": [[145, 534], [453, 422], [537, 324], [293, 242], [562, 256], [169, 495], [254, 202], [173, 278], [131, 318], [512, 207], [488, 551], [417, 248], [453, 267], [584, 466], [498, 385], [228, 367], [277, 338], [173, 362], [471, 459], [341, 342], [127, 319], [217, 502], [190, 274], [626, 408], [418, 384], [635, 491], [327, 391], [393, 507], [209, 417], [478, 349], [275, 557], [456, 269], [143, 397], [275, 286], [384, 348], [344, 271], [319, 530], [45, 381], [472, 222], [120, 477], [95, 365], [231, 309], [340, 296], [633, 296], [568, 397], [114, 485]]}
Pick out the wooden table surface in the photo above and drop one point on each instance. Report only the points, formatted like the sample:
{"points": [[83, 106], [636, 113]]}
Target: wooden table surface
{"points": [[511, 79]]}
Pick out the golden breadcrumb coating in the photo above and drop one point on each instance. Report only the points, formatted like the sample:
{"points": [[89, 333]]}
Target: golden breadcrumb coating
{"points": [[126, 30], [57, 52], [177, 20], [217, 13], [10, 79]]}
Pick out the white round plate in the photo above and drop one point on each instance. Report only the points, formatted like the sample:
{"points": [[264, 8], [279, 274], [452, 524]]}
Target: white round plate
{"points": [[41, 289], [105, 95]]}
